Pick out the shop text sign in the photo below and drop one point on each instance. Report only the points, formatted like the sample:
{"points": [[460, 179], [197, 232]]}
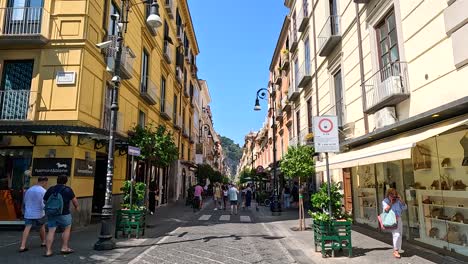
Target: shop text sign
{"points": [[326, 134], [84, 167], [51, 167]]}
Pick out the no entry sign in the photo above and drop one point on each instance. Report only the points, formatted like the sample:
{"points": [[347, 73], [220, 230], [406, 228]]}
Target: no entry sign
{"points": [[326, 134]]}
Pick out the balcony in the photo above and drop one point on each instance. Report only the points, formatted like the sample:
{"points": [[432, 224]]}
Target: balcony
{"points": [[288, 3], [277, 77], [24, 25], [329, 36], [126, 64], [187, 56], [303, 76], [285, 60], [165, 109], [177, 121], [149, 92], [179, 75], [286, 105], [293, 142], [185, 132], [16, 104], [279, 114], [303, 17], [293, 93], [167, 52], [293, 42], [169, 5], [186, 91], [180, 34], [387, 87], [193, 70]]}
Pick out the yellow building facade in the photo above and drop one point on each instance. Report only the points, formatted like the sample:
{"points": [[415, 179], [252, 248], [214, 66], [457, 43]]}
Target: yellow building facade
{"points": [[55, 94]]}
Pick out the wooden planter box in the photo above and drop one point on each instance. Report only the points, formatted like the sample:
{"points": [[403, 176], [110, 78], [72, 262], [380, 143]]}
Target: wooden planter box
{"points": [[333, 236], [129, 221]]}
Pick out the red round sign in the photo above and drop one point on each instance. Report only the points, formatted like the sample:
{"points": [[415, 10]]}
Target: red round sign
{"points": [[325, 125]]}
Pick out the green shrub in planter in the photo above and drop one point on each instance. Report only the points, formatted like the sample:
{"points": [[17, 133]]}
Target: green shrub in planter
{"points": [[138, 197]]}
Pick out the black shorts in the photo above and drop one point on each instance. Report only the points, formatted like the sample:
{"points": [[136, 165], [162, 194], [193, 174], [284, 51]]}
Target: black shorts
{"points": [[234, 202]]}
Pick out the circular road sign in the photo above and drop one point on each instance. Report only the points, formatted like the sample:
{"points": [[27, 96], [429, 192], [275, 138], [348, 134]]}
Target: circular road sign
{"points": [[325, 125]]}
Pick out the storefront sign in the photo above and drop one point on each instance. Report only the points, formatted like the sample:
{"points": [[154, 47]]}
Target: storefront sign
{"points": [[326, 134], [134, 151], [65, 77], [51, 167], [85, 167]]}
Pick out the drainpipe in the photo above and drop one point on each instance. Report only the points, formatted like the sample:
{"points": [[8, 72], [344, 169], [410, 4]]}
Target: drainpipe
{"points": [[315, 59], [361, 69]]}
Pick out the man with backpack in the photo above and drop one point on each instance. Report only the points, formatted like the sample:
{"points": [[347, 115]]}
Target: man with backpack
{"points": [[57, 208]]}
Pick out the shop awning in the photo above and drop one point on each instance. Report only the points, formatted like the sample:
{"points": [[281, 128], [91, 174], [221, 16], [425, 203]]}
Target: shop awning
{"points": [[390, 149]]}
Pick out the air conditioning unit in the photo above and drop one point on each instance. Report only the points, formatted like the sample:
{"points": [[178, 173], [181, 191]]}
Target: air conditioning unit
{"points": [[385, 117]]}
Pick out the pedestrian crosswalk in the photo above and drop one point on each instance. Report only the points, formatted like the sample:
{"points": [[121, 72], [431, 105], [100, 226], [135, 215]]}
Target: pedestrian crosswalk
{"points": [[226, 218]]}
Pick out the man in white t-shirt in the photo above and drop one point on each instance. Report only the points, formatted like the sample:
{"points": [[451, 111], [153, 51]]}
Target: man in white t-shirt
{"points": [[34, 211], [232, 193]]}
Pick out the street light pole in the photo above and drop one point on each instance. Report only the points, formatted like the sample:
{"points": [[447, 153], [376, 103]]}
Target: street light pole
{"points": [[262, 94], [105, 241]]}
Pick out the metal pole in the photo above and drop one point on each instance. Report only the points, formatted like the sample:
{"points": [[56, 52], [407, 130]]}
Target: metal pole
{"points": [[131, 182], [105, 241], [276, 205], [328, 185]]}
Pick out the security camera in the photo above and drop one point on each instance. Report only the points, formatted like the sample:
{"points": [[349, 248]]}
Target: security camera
{"points": [[115, 17], [104, 44], [115, 79]]}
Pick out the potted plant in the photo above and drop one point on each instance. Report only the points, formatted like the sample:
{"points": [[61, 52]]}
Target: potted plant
{"points": [[284, 54], [332, 230], [132, 215], [309, 139]]}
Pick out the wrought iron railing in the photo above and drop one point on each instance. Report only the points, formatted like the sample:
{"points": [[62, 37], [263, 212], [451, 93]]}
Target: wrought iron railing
{"points": [[391, 80], [302, 16], [166, 107], [330, 28], [169, 5], [167, 51], [23, 21], [149, 91], [15, 104], [304, 71]]}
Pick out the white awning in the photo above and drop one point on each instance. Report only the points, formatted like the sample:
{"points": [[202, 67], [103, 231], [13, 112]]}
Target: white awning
{"points": [[385, 150]]}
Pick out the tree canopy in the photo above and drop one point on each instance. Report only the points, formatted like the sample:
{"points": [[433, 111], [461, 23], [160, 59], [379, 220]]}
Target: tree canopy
{"points": [[298, 162], [156, 144]]}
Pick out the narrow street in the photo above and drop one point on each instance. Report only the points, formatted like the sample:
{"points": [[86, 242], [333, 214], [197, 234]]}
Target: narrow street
{"points": [[218, 237]]}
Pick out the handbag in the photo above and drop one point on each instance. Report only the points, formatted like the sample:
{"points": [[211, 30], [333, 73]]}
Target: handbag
{"points": [[388, 220]]}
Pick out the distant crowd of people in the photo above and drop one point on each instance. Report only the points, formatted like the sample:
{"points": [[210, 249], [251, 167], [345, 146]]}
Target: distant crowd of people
{"points": [[225, 195]]}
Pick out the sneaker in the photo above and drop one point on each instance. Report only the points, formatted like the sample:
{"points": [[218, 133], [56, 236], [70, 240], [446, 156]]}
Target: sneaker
{"points": [[216, 209]]}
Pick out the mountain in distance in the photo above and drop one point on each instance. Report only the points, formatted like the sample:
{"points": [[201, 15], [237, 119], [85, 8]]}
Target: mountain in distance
{"points": [[232, 152]]}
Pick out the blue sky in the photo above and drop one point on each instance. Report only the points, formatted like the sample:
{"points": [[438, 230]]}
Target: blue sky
{"points": [[237, 39]]}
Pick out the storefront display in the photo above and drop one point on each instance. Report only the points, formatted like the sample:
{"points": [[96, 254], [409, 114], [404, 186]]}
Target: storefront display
{"points": [[434, 184], [14, 179]]}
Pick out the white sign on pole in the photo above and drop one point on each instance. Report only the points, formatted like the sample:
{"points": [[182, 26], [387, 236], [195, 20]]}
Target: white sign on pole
{"points": [[326, 134]]}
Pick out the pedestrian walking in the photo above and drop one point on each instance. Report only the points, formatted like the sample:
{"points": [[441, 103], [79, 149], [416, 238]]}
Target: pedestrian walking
{"points": [[197, 197], [286, 196], [152, 197], [394, 202], [225, 196], [57, 208], [34, 215], [217, 194], [233, 197], [248, 196], [241, 198]]}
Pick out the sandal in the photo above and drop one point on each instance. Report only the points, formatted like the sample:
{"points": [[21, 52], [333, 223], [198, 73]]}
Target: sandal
{"points": [[396, 254], [67, 251], [43, 245], [21, 250], [48, 255]]}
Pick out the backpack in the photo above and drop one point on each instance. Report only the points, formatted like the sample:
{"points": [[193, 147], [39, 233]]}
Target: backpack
{"points": [[54, 204]]}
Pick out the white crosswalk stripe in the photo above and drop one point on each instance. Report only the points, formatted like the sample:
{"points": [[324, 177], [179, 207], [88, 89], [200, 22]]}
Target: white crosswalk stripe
{"points": [[224, 218], [204, 218], [245, 218]]}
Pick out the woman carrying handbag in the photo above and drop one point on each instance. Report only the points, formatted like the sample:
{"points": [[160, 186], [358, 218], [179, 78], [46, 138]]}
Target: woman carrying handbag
{"points": [[394, 202]]}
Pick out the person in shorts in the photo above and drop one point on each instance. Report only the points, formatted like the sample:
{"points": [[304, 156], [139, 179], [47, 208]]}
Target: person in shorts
{"points": [[65, 219], [34, 212], [232, 193], [197, 197]]}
